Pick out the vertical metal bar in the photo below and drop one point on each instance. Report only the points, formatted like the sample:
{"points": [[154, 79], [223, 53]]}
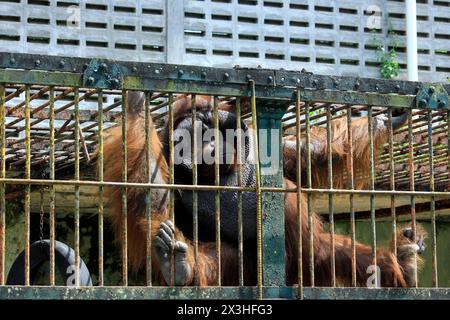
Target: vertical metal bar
{"points": [[351, 186], [171, 180], [27, 187], [258, 194], [310, 200], [299, 195], [52, 187], [372, 196], [148, 209], [194, 177], [448, 148], [2, 185], [433, 203], [77, 188], [392, 180], [239, 194], [217, 183], [124, 190], [411, 183], [100, 189], [330, 197]]}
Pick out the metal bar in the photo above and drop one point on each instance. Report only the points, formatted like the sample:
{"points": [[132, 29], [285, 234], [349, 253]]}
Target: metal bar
{"points": [[148, 202], [192, 73], [27, 187], [52, 188], [330, 197], [77, 188], [412, 187], [432, 203], [309, 185], [392, 181], [124, 190], [34, 96], [171, 181], [299, 196], [150, 293], [101, 191], [239, 193], [194, 153], [22, 181], [2, 186], [217, 153], [372, 196], [258, 194], [351, 186]]}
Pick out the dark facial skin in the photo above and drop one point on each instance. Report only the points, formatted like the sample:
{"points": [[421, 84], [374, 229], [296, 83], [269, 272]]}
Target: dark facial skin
{"points": [[206, 176]]}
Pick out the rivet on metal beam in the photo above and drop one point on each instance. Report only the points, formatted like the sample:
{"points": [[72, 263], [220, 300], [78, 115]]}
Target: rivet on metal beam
{"points": [[336, 82], [270, 79], [37, 62], [62, 63], [226, 76], [203, 75], [180, 72], [423, 103]]}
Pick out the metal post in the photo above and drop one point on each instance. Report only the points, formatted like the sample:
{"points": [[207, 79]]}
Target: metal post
{"points": [[411, 39], [273, 228]]}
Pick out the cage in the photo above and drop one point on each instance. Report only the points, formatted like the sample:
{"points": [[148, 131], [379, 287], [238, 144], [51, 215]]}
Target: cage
{"points": [[341, 156]]}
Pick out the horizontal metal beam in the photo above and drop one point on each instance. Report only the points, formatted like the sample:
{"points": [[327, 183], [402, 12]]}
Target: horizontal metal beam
{"points": [[213, 88], [149, 293], [218, 76]]}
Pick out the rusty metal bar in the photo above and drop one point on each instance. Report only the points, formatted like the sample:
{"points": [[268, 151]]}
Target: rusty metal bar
{"points": [[217, 159], [27, 187], [124, 190], [171, 181], [351, 186], [52, 188], [330, 197], [372, 196], [148, 196], [22, 181], [101, 190], [412, 186], [310, 199], [2, 186], [392, 181], [37, 95], [258, 193], [432, 203], [299, 196], [239, 193], [77, 188]]}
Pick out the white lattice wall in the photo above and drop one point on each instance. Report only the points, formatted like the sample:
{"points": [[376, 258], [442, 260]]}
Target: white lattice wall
{"points": [[327, 37]]}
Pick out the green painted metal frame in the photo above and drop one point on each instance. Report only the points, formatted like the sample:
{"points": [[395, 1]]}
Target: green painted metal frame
{"points": [[151, 293], [275, 90]]}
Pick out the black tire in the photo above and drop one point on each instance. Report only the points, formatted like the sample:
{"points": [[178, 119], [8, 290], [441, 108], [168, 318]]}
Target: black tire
{"points": [[39, 253]]}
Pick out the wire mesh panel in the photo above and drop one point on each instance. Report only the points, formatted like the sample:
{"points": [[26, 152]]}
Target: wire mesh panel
{"points": [[192, 182]]}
